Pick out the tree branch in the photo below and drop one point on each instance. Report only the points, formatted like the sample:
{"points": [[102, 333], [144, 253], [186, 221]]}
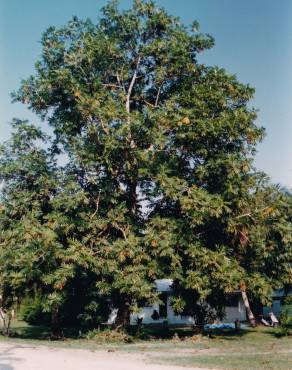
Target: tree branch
{"points": [[128, 97], [149, 104], [112, 85], [105, 129], [97, 205], [121, 230], [157, 96], [122, 86]]}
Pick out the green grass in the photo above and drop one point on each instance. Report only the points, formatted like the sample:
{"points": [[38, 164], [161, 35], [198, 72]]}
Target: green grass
{"points": [[236, 361], [254, 349], [258, 348]]}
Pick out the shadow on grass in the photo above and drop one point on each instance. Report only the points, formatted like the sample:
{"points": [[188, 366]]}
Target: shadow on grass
{"points": [[31, 332], [278, 332], [168, 332], [272, 332], [144, 333], [227, 334]]}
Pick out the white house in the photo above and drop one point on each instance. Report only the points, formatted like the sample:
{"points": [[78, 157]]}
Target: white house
{"points": [[155, 314]]}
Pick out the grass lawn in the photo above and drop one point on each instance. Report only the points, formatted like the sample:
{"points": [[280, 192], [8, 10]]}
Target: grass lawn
{"points": [[258, 348]]}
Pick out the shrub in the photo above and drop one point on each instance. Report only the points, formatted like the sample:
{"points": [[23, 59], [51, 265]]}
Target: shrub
{"points": [[286, 317], [109, 336], [31, 311]]}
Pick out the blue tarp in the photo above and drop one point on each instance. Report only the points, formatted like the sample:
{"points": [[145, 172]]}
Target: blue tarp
{"points": [[228, 325]]}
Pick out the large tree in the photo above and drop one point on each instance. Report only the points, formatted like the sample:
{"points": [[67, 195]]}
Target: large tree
{"points": [[160, 147]]}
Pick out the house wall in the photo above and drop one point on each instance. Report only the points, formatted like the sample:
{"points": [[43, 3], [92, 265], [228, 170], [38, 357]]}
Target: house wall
{"points": [[232, 314], [172, 318], [235, 313]]}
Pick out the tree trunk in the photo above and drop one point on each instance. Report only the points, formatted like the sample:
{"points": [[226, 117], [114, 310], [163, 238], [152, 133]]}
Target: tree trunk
{"points": [[249, 312], [199, 317], [198, 328], [123, 316], [6, 317], [56, 332]]}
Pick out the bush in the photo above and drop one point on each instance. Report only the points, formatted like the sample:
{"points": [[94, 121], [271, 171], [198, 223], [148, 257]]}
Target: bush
{"points": [[31, 311], [286, 317], [109, 336], [75, 311]]}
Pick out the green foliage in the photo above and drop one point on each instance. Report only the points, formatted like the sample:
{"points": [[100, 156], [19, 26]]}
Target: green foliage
{"points": [[286, 323], [32, 311], [159, 179]]}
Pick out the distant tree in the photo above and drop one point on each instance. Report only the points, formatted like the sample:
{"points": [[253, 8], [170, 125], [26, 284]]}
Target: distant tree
{"points": [[160, 152]]}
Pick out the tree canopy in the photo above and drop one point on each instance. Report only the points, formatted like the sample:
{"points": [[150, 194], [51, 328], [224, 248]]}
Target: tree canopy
{"points": [[159, 178]]}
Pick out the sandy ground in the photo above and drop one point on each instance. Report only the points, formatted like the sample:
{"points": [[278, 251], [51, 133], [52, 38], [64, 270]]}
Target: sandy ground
{"points": [[29, 357]]}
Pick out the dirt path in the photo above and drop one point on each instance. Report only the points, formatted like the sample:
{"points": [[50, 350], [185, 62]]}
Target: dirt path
{"points": [[29, 357]]}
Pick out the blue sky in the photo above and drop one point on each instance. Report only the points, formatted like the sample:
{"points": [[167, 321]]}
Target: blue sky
{"points": [[253, 40]]}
